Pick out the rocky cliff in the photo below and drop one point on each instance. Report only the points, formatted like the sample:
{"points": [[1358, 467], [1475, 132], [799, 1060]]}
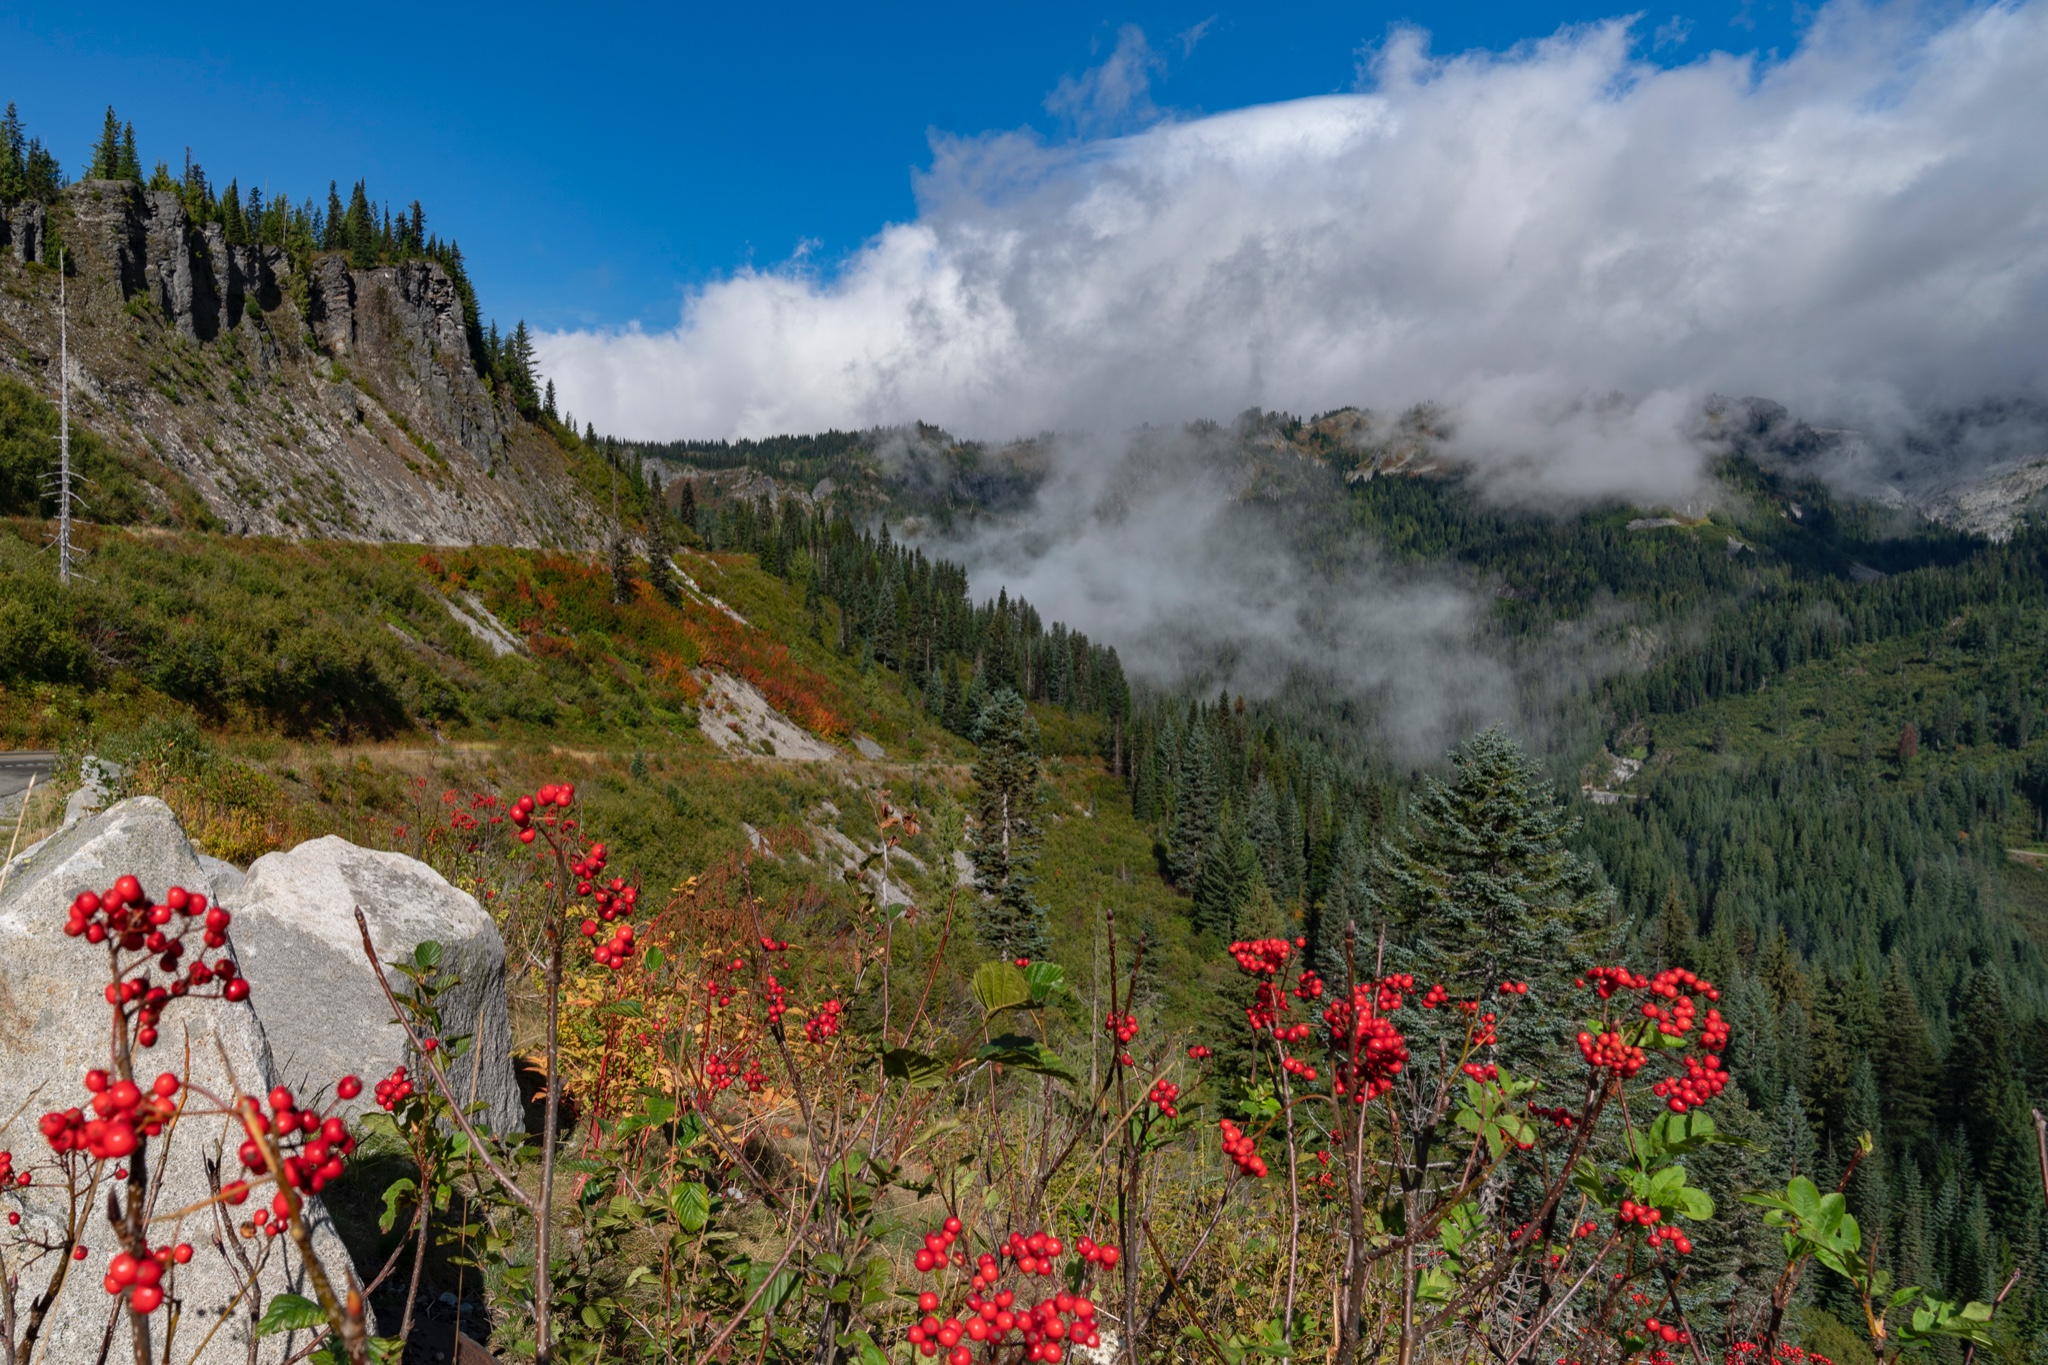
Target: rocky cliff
{"points": [[304, 399]]}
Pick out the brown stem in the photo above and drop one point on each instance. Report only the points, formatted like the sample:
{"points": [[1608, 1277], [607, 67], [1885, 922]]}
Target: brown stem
{"points": [[543, 1286], [419, 1261], [432, 1065], [345, 1322]]}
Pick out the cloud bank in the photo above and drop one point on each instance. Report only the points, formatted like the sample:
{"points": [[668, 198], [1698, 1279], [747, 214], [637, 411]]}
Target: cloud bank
{"points": [[1568, 246]]}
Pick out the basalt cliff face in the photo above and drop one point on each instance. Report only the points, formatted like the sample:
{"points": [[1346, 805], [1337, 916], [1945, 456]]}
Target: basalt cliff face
{"points": [[296, 399]]}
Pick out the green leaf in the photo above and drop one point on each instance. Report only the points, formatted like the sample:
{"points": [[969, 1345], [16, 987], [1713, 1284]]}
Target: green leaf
{"points": [[691, 1205], [1695, 1204], [920, 1071], [865, 1352], [1026, 1054], [394, 1194], [625, 1009], [1047, 979], [1000, 986], [655, 959], [427, 955], [289, 1313]]}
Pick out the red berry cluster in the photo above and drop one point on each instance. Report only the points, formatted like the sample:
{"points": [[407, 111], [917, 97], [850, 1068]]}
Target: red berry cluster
{"points": [[1703, 1079], [1609, 1051], [124, 915], [1308, 986], [122, 1115], [1664, 1330], [1198, 1052], [1294, 1066], [7, 1170], [391, 1092], [826, 1022], [142, 1277], [1642, 1215], [938, 1248], [1372, 1048], [614, 901], [320, 1145], [1164, 1094], [1560, 1116], [1122, 1027], [1514, 988], [1240, 1148], [545, 801], [1748, 1353], [1436, 995], [1262, 956], [1483, 1073], [778, 1000], [1674, 1236], [993, 1316], [1608, 980]]}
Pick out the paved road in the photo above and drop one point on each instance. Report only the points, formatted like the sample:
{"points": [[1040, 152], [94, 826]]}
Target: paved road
{"points": [[16, 766]]}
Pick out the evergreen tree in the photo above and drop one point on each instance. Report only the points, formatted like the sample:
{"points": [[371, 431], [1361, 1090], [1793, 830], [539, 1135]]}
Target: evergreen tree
{"points": [[686, 504], [130, 165], [334, 235], [1228, 884], [232, 224], [1195, 801], [13, 157], [1346, 901], [547, 403], [42, 176], [106, 153], [1006, 839], [661, 570], [359, 231], [1481, 883]]}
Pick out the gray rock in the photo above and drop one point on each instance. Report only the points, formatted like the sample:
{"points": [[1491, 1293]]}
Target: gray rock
{"points": [[224, 877], [295, 921], [98, 780], [53, 1027]]}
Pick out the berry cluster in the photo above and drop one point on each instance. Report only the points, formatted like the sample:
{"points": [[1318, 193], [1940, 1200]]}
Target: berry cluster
{"points": [[1560, 1116], [547, 798], [1703, 1079], [1674, 1236], [1641, 1215], [1483, 1073], [938, 1248], [1164, 1094], [1296, 1067], [1514, 988], [391, 1092], [1263, 956], [1436, 995], [124, 915], [778, 1000], [825, 1022], [122, 1116], [994, 1316], [1610, 1052], [1032, 1254], [1373, 1048], [1749, 1353], [141, 1278], [1122, 1027], [1308, 986], [1240, 1148], [614, 901], [720, 1074], [322, 1144], [1664, 1331], [1198, 1052], [1608, 980], [1104, 1256]]}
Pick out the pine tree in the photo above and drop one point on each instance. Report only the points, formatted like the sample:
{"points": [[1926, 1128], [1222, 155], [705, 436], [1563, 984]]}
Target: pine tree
{"points": [[41, 175], [1481, 886], [1229, 882], [334, 235], [13, 157], [360, 229], [130, 165], [1195, 802], [661, 570], [106, 153], [686, 504], [1347, 900], [1005, 843], [547, 403], [232, 225]]}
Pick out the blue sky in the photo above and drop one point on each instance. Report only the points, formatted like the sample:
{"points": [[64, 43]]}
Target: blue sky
{"points": [[598, 162]]}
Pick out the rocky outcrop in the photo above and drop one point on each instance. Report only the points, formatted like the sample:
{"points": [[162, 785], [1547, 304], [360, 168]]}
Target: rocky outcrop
{"points": [[295, 921], [21, 231], [297, 397], [53, 1027]]}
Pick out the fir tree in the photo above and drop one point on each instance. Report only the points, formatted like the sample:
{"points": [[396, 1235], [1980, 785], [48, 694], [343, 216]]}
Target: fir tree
{"points": [[686, 504], [1346, 901], [1005, 843], [41, 175], [661, 570], [130, 164], [547, 403], [1228, 884], [1481, 883], [13, 157], [1195, 802], [359, 230], [232, 225], [106, 153], [334, 233]]}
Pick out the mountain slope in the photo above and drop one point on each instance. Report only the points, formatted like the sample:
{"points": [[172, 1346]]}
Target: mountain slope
{"points": [[293, 394]]}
